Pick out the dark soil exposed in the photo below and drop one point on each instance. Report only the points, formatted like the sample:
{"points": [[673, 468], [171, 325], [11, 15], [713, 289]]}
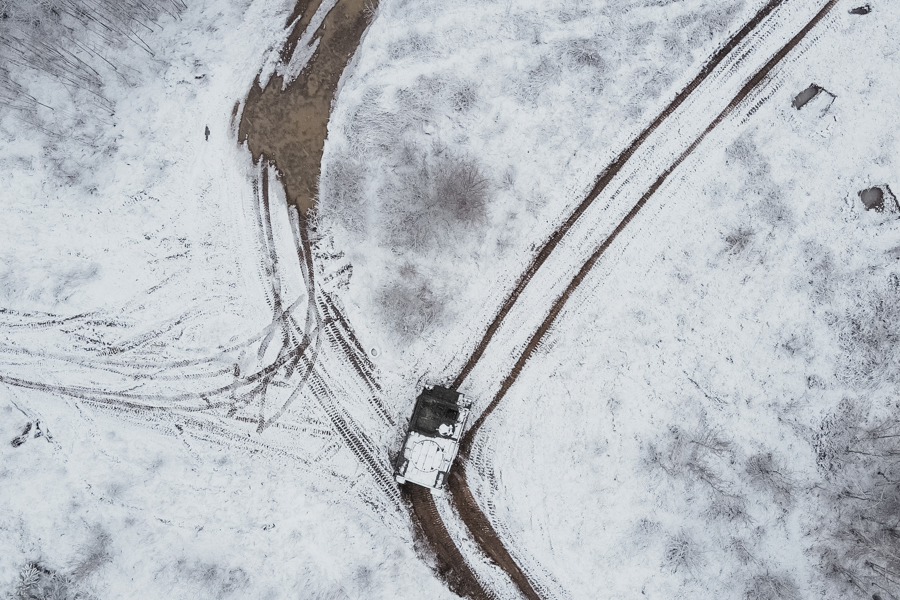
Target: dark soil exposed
{"points": [[450, 565], [483, 532], [873, 199], [801, 99], [879, 198], [288, 127]]}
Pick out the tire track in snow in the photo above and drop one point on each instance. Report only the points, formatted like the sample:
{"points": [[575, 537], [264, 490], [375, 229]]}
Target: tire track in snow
{"points": [[450, 565], [603, 180], [474, 518], [560, 301]]}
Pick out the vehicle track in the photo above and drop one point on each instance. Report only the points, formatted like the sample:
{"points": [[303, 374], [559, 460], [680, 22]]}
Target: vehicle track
{"points": [[450, 565], [603, 180], [560, 301], [483, 532], [471, 514]]}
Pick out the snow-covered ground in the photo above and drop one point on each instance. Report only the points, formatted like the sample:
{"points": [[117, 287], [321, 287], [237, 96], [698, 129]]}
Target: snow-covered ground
{"points": [[533, 100], [679, 434], [682, 407], [668, 439], [130, 267]]}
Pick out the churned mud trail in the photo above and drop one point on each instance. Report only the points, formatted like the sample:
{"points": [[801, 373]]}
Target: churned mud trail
{"points": [[473, 517], [288, 124], [483, 532], [450, 565], [288, 127]]}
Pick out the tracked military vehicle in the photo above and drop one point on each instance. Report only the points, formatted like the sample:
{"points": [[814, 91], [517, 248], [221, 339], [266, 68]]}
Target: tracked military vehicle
{"points": [[432, 439]]}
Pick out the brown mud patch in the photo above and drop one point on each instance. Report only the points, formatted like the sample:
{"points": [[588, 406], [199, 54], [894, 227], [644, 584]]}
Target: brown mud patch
{"points": [[288, 126]]}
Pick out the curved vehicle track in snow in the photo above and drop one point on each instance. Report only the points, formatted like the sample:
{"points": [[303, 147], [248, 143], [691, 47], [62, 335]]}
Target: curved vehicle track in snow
{"points": [[736, 71]]}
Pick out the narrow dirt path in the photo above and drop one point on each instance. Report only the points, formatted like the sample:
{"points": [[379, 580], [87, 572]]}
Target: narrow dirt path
{"points": [[483, 532]]}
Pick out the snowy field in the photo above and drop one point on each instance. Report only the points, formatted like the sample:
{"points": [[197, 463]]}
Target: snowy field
{"points": [[711, 416]]}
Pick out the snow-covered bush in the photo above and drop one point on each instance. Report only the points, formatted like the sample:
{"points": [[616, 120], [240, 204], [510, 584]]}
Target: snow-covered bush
{"points": [[410, 304], [434, 202], [683, 553], [770, 477], [870, 335], [771, 586], [859, 450], [37, 582]]}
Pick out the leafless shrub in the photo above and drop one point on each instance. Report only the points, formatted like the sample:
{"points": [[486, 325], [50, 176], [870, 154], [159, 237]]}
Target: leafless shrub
{"points": [[745, 153], [765, 474], [583, 53], [464, 97], [92, 555], [433, 202], [538, 78], [703, 26], [739, 240], [682, 552], [414, 44], [461, 190], [674, 44], [688, 456], [838, 432], [740, 550], [410, 306], [869, 337], [728, 508], [38, 582], [772, 586], [371, 126], [215, 580], [342, 193]]}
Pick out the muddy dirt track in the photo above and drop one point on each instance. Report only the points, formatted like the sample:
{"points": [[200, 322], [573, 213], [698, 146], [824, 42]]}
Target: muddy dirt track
{"points": [[288, 126]]}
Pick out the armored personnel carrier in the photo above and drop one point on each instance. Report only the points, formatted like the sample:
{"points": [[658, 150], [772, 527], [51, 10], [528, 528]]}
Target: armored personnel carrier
{"points": [[432, 439]]}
